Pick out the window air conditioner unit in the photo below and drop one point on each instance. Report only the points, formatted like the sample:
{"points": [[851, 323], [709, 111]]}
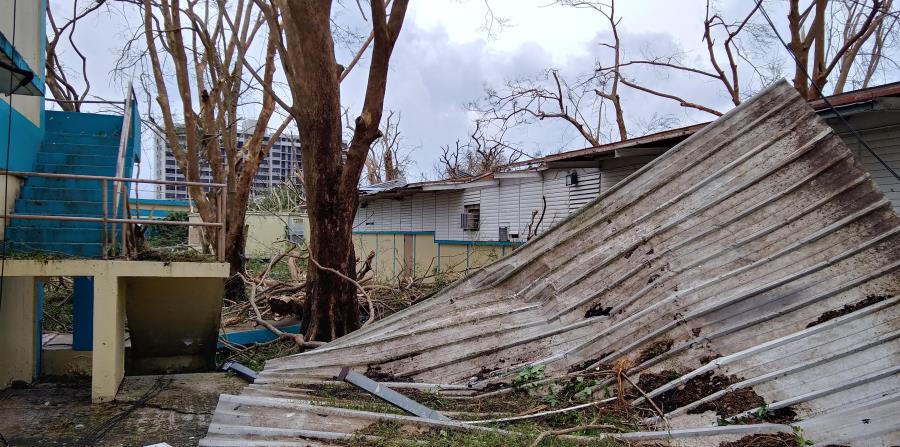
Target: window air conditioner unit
{"points": [[504, 234]]}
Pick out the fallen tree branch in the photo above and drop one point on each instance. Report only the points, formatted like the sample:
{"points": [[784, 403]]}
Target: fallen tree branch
{"points": [[653, 404], [357, 284], [296, 338]]}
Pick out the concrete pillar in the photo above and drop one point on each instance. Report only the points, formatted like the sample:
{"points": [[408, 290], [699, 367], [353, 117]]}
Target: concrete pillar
{"points": [[19, 337], [108, 360]]}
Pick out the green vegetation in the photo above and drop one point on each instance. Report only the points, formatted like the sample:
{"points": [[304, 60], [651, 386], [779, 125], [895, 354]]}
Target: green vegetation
{"points": [[58, 313], [168, 235], [280, 271], [393, 434], [528, 374]]}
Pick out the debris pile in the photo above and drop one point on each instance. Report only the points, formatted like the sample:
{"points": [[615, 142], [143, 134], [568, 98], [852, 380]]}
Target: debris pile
{"points": [[728, 271]]}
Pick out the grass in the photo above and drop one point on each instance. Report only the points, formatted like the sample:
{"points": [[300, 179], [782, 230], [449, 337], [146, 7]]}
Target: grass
{"points": [[393, 434]]}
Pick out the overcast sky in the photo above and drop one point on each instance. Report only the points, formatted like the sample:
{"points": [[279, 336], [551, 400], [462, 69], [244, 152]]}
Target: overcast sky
{"points": [[445, 58]]}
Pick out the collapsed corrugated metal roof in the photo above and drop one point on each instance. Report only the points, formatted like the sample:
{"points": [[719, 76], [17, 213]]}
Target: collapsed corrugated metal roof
{"points": [[752, 268]]}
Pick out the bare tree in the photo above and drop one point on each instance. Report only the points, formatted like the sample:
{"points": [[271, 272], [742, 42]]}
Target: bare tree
{"points": [[331, 175], [205, 45], [60, 36], [482, 153], [389, 159], [866, 53], [529, 100], [738, 58], [859, 26]]}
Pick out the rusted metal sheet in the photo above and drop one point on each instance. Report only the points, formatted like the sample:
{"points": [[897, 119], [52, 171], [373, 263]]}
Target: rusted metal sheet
{"points": [[757, 250]]}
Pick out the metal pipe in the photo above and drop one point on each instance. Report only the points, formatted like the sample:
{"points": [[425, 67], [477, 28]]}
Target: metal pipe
{"points": [[222, 217], [124, 252], [69, 101], [105, 220], [114, 179], [112, 220]]}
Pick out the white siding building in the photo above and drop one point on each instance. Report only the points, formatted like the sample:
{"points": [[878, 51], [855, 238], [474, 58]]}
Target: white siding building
{"points": [[459, 224]]}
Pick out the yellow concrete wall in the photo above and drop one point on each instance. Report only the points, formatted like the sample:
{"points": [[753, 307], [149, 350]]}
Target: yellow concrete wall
{"points": [[18, 335], [427, 255], [18, 332], [452, 258], [481, 255], [173, 323], [263, 230], [65, 362]]}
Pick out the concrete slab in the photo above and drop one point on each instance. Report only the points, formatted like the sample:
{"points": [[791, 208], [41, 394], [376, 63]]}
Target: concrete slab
{"points": [[157, 291], [51, 414]]}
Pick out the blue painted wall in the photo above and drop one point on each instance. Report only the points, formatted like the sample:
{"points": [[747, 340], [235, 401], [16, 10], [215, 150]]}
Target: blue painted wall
{"points": [[24, 140]]}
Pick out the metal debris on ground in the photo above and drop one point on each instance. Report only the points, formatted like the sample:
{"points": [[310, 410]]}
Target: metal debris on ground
{"points": [[751, 276]]}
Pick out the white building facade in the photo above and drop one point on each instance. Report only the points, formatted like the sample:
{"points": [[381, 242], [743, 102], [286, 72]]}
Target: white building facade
{"points": [[282, 164]]}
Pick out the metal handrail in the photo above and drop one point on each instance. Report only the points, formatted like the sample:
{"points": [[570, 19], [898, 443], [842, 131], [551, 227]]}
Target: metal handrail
{"points": [[106, 219], [123, 148], [117, 179]]}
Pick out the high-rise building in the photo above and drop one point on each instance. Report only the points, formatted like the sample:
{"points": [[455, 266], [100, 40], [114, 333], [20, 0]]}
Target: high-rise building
{"points": [[282, 164]]}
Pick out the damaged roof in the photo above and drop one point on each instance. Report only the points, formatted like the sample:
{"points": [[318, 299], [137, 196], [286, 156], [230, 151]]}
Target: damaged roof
{"points": [[752, 269]]}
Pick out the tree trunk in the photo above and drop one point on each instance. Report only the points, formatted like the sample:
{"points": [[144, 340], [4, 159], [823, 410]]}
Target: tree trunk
{"points": [[331, 178], [331, 309]]}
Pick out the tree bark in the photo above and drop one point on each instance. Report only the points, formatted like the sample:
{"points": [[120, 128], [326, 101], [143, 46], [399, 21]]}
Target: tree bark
{"points": [[330, 177]]}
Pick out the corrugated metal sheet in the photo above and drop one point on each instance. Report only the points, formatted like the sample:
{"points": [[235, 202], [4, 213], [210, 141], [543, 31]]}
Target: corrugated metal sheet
{"points": [[758, 249]]}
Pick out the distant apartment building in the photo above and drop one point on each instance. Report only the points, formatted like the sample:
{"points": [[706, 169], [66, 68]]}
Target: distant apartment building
{"points": [[280, 166]]}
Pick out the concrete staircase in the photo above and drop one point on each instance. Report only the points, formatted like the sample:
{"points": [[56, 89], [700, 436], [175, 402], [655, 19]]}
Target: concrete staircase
{"points": [[74, 143]]}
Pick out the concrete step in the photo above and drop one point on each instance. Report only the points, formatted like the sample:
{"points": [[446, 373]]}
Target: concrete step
{"points": [[60, 183], [67, 194], [83, 123], [106, 171], [61, 208], [74, 145], [89, 159], [29, 223]]}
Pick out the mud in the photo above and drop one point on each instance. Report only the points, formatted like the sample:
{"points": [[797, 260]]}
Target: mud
{"points": [[766, 440], [847, 309], [655, 349], [689, 392], [375, 373], [732, 403]]}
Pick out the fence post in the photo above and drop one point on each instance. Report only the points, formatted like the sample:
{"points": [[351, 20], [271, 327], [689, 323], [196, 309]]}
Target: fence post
{"points": [[105, 222], [124, 192], [223, 193]]}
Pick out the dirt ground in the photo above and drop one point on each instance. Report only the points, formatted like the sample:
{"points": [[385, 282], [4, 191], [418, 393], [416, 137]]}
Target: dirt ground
{"points": [[175, 409]]}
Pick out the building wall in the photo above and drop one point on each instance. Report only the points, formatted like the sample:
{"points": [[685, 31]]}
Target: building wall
{"points": [[885, 141], [264, 230], [157, 208], [441, 245], [27, 120], [281, 165]]}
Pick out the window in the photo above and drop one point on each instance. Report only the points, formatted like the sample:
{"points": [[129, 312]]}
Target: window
{"points": [[471, 218]]}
